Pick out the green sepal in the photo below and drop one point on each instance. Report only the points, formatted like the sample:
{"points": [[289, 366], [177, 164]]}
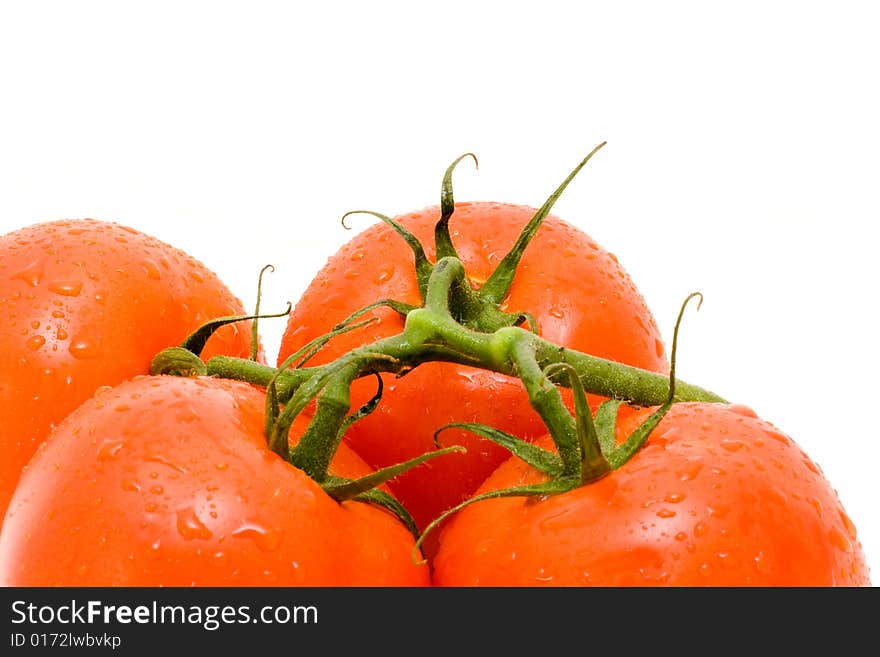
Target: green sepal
{"points": [[605, 422], [423, 265], [539, 458], [545, 488], [196, 340], [442, 240], [373, 496], [497, 286], [348, 489]]}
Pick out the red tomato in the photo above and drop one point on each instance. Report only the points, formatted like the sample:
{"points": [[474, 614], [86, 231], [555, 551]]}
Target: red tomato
{"points": [[85, 303], [166, 481], [579, 294], [716, 497]]}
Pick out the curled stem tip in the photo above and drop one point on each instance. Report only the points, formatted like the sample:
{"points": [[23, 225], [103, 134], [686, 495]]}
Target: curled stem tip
{"points": [[423, 265], [195, 342], [673, 355], [255, 334], [442, 238]]}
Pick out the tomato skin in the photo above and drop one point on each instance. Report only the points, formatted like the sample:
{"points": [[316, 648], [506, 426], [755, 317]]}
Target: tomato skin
{"points": [[166, 481], [85, 303], [717, 497], [578, 293]]}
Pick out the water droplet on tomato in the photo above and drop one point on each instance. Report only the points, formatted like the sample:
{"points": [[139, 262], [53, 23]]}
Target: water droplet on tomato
{"points": [[839, 540], [32, 274], [742, 409], [385, 274], [84, 347], [35, 342], [556, 312], [700, 529], [265, 538], [666, 513], [66, 288], [109, 448], [151, 269], [812, 467], [848, 525], [156, 457], [190, 526], [689, 471], [778, 436], [131, 486]]}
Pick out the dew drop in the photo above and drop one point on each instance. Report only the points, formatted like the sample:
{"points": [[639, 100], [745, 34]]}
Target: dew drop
{"points": [[666, 513], [32, 274], [152, 270], [732, 445], [66, 288], [742, 409], [839, 540], [109, 448], [700, 529], [690, 471], [848, 525], [385, 274], [131, 485], [156, 457], [780, 437], [84, 348], [761, 563], [266, 539], [659, 349], [190, 526], [674, 498], [812, 467], [556, 312], [35, 342]]}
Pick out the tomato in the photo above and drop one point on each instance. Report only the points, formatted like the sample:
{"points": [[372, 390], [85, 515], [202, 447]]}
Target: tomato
{"points": [[166, 481], [716, 497], [578, 293], [85, 303]]}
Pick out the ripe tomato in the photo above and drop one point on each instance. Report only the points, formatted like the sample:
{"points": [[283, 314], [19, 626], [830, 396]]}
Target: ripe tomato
{"points": [[85, 303], [579, 294], [716, 497], [169, 481]]}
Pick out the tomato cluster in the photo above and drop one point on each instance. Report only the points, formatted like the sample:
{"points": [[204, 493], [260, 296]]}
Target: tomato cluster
{"points": [[119, 472]]}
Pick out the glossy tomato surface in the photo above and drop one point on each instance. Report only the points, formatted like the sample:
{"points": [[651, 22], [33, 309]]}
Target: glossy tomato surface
{"points": [[577, 291], [85, 303], [717, 497], [166, 481]]}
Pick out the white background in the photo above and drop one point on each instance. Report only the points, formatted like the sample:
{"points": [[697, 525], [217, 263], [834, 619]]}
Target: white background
{"points": [[742, 159]]}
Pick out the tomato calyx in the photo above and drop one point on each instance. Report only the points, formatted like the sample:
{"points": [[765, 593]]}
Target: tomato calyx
{"points": [[586, 448], [456, 322]]}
